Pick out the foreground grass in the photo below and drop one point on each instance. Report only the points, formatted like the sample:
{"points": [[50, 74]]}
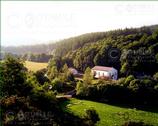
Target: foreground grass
{"points": [[35, 66], [110, 115]]}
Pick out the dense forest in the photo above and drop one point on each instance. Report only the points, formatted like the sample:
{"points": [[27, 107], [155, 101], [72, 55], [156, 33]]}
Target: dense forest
{"points": [[128, 50], [132, 48]]}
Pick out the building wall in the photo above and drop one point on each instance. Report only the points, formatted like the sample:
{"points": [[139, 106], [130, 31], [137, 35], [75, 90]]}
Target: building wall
{"points": [[101, 73], [111, 74], [114, 73], [74, 71]]}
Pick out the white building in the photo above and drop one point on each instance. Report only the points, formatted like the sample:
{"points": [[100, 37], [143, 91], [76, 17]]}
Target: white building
{"points": [[105, 72]]}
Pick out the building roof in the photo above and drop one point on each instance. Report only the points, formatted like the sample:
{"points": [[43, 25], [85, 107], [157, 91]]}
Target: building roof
{"points": [[102, 68]]}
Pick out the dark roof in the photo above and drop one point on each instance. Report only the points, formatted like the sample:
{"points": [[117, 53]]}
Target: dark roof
{"points": [[102, 68]]}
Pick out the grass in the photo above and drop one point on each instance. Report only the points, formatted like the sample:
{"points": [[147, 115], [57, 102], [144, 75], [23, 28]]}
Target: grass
{"points": [[110, 115], [35, 66]]}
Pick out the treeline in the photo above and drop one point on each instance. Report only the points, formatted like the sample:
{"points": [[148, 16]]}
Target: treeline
{"points": [[74, 43], [132, 48], [36, 57], [128, 90], [41, 57], [131, 51], [35, 49]]}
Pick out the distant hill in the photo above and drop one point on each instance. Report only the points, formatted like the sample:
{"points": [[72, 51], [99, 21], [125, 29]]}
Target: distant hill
{"points": [[36, 49], [73, 43], [131, 50]]}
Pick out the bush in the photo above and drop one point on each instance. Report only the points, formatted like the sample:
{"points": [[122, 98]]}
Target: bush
{"points": [[91, 116], [40, 75], [147, 83], [81, 89], [13, 102], [129, 79], [42, 99], [57, 84], [87, 77], [155, 76], [121, 81]]}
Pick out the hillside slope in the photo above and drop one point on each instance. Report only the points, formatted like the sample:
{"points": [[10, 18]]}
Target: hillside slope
{"points": [[74, 43], [110, 115], [131, 51]]}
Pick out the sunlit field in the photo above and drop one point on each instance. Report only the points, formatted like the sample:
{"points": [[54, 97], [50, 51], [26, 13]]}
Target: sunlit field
{"points": [[34, 66], [110, 115]]}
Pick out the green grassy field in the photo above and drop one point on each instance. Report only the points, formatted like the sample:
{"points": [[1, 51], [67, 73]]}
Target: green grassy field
{"points": [[35, 66], [110, 115]]}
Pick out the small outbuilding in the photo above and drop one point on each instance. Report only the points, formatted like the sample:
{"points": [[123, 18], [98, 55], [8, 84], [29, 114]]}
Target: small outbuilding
{"points": [[73, 71], [105, 72]]}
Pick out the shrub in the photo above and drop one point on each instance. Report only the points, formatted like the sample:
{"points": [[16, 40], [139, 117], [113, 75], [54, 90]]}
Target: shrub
{"points": [[43, 99], [129, 79], [91, 116], [40, 75], [66, 74], [146, 83], [121, 81], [87, 78], [81, 89], [155, 76], [14, 103], [57, 84]]}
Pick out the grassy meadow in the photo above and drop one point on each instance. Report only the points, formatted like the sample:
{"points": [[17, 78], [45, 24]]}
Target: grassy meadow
{"points": [[110, 115], [35, 66]]}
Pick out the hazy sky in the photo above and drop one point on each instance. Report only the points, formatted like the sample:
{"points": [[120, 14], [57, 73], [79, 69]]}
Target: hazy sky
{"points": [[32, 22]]}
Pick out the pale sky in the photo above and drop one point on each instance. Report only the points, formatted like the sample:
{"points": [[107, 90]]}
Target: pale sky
{"points": [[34, 22]]}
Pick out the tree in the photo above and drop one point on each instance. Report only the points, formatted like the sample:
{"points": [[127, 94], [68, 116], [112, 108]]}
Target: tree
{"points": [[41, 76], [65, 71], [101, 58], [2, 84], [124, 69], [155, 34], [66, 74], [87, 78], [52, 72], [81, 89], [65, 68], [14, 76]]}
